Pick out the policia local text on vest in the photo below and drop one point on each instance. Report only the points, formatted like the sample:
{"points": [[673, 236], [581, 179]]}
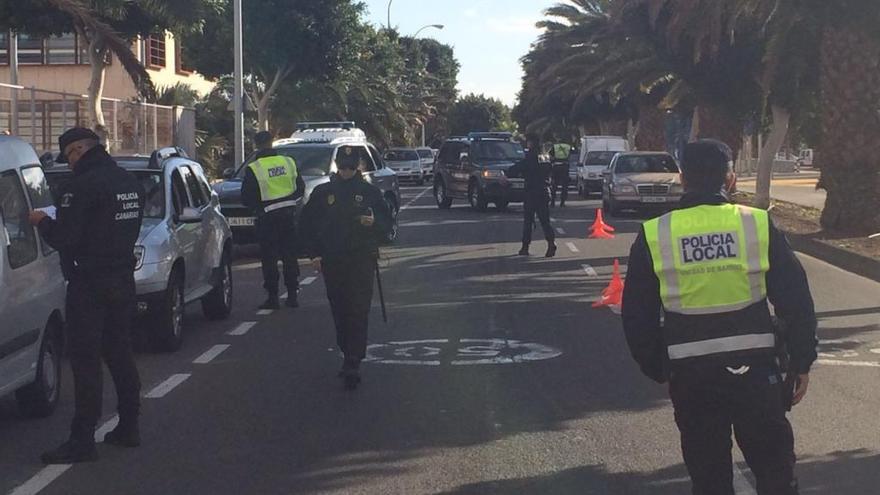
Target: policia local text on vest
{"points": [[271, 188], [696, 314]]}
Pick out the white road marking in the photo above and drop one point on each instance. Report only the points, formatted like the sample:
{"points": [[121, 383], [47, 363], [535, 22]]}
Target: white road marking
{"points": [[41, 480], [211, 353], [741, 484], [167, 386], [284, 296], [875, 351], [242, 328], [591, 272], [468, 352], [106, 428], [413, 201], [308, 281], [560, 231], [265, 312], [572, 247], [247, 266], [835, 362]]}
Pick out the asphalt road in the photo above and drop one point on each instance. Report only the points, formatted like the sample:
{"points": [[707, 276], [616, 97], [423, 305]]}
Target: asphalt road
{"points": [[493, 376], [799, 189]]}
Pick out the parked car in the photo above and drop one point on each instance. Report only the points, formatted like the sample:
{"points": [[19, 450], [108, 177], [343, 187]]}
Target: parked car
{"points": [[595, 156], [475, 168], [184, 251], [32, 288], [427, 156], [314, 146], [640, 181], [406, 163]]}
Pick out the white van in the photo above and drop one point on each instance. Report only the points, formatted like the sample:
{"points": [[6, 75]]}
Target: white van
{"points": [[32, 288], [596, 154]]}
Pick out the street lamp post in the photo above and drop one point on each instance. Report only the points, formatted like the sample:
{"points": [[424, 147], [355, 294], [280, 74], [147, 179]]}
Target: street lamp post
{"points": [[435, 26], [389, 14], [237, 103]]}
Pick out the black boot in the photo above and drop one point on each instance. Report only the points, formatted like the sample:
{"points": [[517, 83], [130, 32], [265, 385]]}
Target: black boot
{"points": [[126, 434], [71, 452], [551, 251], [352, 379], [271, 303], [292, 300], [524, 251]]}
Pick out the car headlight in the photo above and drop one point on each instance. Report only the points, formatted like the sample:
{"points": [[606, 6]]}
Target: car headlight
{"points": [[676, 189], [625, 189], [139, 253], [493, 174]]}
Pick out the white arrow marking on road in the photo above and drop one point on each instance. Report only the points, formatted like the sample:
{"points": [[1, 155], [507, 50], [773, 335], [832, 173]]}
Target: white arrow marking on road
{"points": [[560, 231], [265, 312], [413, 201], [211, 354], [308, 281], [242, 328], [41, 480], [591, 272], [572, 247], [106, 428], [167, 386]]}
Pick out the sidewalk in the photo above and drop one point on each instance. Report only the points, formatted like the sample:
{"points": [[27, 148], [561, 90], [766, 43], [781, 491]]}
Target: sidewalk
{"points": [[799, 189]]}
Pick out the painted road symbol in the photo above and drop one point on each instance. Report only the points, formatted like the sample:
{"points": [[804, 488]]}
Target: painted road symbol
{"points": [[464, 352]]}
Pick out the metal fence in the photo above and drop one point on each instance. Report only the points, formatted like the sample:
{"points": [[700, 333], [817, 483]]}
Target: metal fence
{"points": [[40, 117]]}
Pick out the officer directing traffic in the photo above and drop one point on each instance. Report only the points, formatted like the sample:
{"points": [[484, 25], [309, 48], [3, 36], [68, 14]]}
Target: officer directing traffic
{"points": [[271, 188], [98, 220], [695, 313], [537, 191], [343, 223], [559, 156]]}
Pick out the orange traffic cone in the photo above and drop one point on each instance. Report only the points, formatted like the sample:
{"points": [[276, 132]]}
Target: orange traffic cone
{"points": [[600, 229], [613, 294]]}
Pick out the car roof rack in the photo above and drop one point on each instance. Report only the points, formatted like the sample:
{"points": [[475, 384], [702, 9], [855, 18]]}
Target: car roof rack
{"points": [[344, 125], [476, 136], [158, 157]]}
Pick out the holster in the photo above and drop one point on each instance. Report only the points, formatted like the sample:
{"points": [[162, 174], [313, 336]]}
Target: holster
{"points": [[783, 359]]}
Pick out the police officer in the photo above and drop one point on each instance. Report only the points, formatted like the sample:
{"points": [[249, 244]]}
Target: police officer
{"points": [[709, 268], [271, 187], [97, 226], [343, 224], [559, 156], [537, 196]]}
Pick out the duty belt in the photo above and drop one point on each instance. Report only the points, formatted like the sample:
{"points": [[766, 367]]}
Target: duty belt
{"points": [[280, 205]]}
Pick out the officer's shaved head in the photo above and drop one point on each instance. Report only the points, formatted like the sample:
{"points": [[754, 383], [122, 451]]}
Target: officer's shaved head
{"points": [[706, 165], [263, 140]]}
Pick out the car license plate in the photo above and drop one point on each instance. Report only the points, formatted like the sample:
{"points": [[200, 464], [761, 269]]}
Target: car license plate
{"points": [[518, 185], [651, 199], [240, 221]]}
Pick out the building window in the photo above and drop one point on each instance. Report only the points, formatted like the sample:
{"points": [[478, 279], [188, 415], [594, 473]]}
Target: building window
{"points": [[4, 48], [61, 50], [156, 51], [180, 64], [30, 50]]}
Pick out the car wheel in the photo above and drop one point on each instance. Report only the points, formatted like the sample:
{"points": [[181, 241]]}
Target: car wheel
{"points": [[444, 202], [395, 212], [420, 182], [39, 399], [217, 305], [501, 205], [476, 197], [167, 326], [581, 191]]}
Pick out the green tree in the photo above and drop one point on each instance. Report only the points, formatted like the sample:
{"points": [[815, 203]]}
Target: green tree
{"points": [[108, 26], [284, 40], [478, 113]]}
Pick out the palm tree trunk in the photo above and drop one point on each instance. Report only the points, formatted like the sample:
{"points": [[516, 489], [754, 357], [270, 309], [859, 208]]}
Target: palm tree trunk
{"points": [[97, 61], [652, 129], [850, 148], [778, 132]]}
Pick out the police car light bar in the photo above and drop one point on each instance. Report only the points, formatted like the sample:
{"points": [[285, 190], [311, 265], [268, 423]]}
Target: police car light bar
{"points": [[308, 126], [491, 135]]}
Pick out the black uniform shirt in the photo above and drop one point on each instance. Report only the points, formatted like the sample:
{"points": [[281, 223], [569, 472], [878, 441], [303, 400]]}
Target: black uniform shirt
{"points": [[536, 175], [99, 217], [250, 188], [787, 289], [330, 222]]}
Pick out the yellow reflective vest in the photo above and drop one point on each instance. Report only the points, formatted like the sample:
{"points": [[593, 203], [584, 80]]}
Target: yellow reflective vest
{"points": [[561, 151], [276, 176]]}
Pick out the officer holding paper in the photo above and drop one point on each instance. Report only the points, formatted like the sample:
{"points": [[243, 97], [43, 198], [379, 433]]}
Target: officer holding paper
{"points": [[695, 314]]}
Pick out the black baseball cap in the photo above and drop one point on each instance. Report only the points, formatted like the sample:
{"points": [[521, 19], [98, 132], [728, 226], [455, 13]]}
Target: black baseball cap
{"points": [[347, 157], [71, 136], [706, 153], [263, 138]]}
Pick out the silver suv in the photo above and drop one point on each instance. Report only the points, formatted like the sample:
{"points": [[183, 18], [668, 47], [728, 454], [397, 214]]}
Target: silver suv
{"points": [[184, 252], [31, 286]]}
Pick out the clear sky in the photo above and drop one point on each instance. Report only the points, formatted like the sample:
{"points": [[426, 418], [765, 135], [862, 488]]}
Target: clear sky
{"points": [[489, 36]]}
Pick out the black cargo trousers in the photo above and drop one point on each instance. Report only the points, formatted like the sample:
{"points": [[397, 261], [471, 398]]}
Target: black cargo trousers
{"points": [[709, 402], [100, 310], [560, 179], [349, 281], [276, 232], [537, 204]]}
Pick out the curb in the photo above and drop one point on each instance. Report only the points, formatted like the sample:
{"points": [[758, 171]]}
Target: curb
{"points": [[841, 258]]}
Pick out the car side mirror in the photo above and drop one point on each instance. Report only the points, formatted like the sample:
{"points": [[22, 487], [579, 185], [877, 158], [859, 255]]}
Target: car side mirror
{"points": [[47, 160], [190, 215], [229, 173]]}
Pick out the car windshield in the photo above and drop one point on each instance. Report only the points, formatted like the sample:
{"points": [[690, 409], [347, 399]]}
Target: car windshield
{"points": [[401, 156], [647, 164], [426, 154], [154, 187], [311, 160], [603, 158], [497, 151]]}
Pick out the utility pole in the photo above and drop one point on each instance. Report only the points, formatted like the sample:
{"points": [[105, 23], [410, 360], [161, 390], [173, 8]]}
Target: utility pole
{"points": [[237, 103], [13, 79], [389, 14]]}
